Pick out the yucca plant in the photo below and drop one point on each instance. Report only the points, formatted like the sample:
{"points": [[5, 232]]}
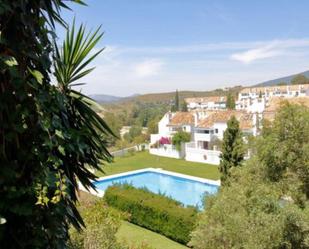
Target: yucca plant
{"points": [[71, 64]]}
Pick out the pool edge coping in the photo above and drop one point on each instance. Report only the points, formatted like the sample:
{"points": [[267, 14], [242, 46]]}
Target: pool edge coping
{"points": [[100, 193]]}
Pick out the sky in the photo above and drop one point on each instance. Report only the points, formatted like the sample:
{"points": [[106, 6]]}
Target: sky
{"points": [[163, 45]]}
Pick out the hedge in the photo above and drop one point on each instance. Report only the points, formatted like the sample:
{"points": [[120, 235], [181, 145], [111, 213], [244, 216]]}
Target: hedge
{"points": [[155, 212]]}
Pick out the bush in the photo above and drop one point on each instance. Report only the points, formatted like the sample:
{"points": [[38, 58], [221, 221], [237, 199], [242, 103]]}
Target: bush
{"points": [[101, 226], [179, 138], [154, 212]]}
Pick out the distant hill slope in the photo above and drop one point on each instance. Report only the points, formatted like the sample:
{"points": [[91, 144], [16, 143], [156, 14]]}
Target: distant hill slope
{"points": [[286, 79], [103, 98], [161, 98]]}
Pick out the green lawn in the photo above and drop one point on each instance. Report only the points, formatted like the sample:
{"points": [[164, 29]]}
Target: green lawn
{"points": [[135, 235], [145, 160]]}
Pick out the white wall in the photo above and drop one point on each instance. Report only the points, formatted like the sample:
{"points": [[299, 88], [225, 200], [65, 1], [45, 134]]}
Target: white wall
{"points": [[257, 106], [167, 151], [221, 128], [203, 156], [163, 129]]}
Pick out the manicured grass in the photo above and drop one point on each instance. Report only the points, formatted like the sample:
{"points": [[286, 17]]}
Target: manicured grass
{"points": [[135, 235], [145, 160]]}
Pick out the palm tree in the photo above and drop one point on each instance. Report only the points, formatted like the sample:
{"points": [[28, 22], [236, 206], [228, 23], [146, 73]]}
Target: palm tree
{"points": [[71, 64]]}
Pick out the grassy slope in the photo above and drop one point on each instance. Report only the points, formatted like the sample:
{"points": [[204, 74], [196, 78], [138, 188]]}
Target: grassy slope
{"points": [[133, 235], [145, 160]]}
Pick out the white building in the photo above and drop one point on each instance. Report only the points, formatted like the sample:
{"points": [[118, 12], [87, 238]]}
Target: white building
{"points": [[171, 123], [206, 129], [208, 134], [255, 99], [208, 103]]}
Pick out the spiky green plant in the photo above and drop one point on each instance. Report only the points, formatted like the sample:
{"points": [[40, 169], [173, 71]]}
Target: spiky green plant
{"points": [[71, 64]]}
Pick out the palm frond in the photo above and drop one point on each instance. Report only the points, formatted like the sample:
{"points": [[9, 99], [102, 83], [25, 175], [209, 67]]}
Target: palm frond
{"points": [[71, 64], [72, 59]]}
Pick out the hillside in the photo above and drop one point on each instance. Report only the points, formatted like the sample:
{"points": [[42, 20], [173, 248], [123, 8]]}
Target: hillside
{"points": [[103, 98], [286, 79], [161, 98]]}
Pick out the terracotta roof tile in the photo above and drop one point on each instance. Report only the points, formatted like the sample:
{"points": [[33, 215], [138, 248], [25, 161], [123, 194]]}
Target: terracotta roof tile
{"points": [[245, 119], [182, 118]]}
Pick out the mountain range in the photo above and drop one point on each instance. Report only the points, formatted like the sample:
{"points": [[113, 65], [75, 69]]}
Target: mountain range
{"points": [[286, 79], [165, 97]]}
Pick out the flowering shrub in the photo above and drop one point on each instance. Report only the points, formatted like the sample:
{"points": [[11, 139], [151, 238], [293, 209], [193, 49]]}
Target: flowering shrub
{"points": [[164, 140]]}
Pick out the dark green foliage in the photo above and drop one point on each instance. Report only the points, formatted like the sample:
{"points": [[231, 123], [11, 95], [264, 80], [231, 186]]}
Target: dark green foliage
{"points": [[299, 80], [284, 148], [265, 204], [115, 125], [49, 135], [176, 105], [143, 113], [179, 138], [232, 149], [102, 224], [282, 83], [135, 131], [153, 126], [184, 107], [155, 212], [248, 213], [230, 101]]}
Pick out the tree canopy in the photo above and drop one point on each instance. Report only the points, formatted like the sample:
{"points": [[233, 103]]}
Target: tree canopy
{"points": [[50, 136], [265, 204], [232, 149], [299, 79], [179, 138], [176, 104], [230, 101]]}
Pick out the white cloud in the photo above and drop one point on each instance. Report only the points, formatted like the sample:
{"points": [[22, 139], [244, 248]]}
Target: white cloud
{"points": [[214, 47], [122, 70], [256, 54], [148, 68], [269, 49]]}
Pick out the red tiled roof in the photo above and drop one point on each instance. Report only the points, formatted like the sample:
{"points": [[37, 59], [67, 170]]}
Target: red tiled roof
{"points": [[223, 116], [182, 118]]}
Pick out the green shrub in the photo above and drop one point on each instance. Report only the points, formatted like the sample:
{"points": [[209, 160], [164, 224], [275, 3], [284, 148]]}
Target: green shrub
{"points": [[179, 138], [102, 224], [154, 212]]}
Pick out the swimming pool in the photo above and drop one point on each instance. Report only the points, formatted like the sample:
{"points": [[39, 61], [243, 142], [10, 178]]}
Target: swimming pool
{"points": [[183, 188]]}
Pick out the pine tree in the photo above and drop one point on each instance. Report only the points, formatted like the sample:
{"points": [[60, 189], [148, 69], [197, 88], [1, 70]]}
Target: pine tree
{"points": [[230, 101], [232, 149]]}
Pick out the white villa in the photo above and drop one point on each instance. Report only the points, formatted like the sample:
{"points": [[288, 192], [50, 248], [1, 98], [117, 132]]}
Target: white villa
{"points": [[255, 99], [209, 103], [206, 128], [160, 144], [207, 119]]}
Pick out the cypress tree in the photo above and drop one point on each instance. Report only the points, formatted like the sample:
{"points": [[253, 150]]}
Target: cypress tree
{"points": [[230, 101], [175, 106], [232, 149]]}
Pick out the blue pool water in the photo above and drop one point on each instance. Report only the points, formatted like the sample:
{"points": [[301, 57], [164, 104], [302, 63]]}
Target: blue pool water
{"points": [[188, 192]]}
